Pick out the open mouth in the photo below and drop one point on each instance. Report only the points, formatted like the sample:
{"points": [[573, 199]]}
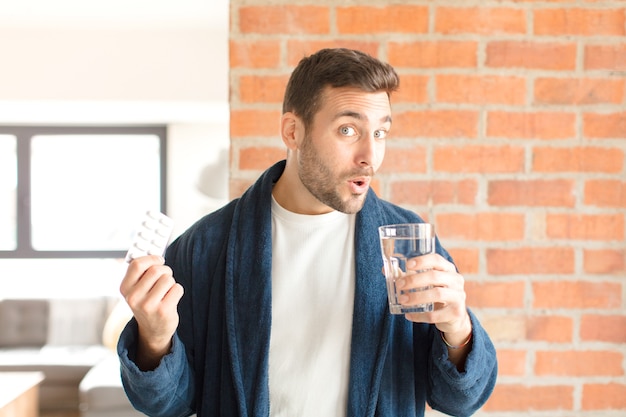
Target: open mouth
{"points": [[359, 185]]}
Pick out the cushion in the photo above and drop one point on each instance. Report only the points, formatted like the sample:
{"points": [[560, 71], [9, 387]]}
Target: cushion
{"points": [[77, 321], [23, 323]]}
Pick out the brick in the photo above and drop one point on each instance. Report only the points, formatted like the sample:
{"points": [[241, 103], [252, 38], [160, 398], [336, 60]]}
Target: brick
{"points": [[604, 125], [534, 193], [466, 260], [482, 227], [505, 328], [579, 91], [495, 294], [551, 1], [254, 54], [433, 54], [603, 328], [611, 396], [585, 22], [518, 397], [511, 362], [254, 123], [578, 363], [376, 186], [553, 329], [479, 20], [436, 123], [483, 89], [531, 55], [605, 57], [434, 192], [413, 89], [406, 160], [578, 159], [299, 48], [531, 125], [284, 19], [603, 227], [605, 193], [576, 294], [481, 159], [604, 261], [519, 261], [382, 19], [262, 88], [259, 157]]}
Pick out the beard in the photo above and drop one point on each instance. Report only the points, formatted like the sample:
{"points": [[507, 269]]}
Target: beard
{"points": [[320, 180]]}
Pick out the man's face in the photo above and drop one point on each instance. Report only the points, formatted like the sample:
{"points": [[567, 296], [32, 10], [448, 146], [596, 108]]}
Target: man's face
{"points": [[344, 147]]}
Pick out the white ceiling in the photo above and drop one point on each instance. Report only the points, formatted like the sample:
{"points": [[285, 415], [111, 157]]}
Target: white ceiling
{"points": [[99, 13]]}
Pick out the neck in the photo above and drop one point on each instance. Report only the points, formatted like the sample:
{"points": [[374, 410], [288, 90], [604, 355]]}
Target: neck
{"points": [[292, 195]]}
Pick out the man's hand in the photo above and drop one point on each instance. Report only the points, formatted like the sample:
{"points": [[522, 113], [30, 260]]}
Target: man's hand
{"points": [[152, 294], [447, 292]]}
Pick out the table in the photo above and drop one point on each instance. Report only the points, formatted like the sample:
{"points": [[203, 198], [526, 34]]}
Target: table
{"points": [[19, 394]]}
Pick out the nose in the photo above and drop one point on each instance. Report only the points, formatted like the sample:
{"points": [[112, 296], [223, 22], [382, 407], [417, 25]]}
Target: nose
{"points": [[370, 152]]}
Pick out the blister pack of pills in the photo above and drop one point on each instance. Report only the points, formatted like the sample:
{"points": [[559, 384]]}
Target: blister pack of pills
{"points": [[152, 236]]}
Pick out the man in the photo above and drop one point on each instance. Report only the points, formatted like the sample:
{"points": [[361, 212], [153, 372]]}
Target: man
{"points": [[285, 310]]}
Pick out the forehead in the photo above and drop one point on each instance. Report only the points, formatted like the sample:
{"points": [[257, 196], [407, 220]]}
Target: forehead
{"points": [[347, 100]]}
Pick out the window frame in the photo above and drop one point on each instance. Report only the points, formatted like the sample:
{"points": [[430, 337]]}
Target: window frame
{"points": [[24, 135]]}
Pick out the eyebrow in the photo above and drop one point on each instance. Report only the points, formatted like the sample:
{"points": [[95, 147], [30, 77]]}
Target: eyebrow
{"points": [[359, 116]]}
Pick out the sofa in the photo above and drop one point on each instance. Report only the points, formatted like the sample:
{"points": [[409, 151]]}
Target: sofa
{"points": [[72, 342]]}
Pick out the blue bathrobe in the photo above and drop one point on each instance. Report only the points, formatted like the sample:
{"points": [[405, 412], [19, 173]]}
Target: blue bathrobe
{"points": [[218, 365]]}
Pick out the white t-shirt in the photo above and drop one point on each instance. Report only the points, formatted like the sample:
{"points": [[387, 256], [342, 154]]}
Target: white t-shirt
{"points": [[312, 306]]}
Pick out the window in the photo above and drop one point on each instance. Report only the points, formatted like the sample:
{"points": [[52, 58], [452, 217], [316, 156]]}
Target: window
{"points": [[77, 192], [8, 192]]}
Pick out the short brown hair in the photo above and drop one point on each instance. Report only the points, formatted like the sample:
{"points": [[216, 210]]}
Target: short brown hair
{"points": [[338, 67]]}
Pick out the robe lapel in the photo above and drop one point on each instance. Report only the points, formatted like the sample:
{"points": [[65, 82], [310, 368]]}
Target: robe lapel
{"points": [[248, 295], [371, 321]]}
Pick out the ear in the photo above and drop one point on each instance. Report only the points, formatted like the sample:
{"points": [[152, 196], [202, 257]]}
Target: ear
{"points": [[289, 128]]}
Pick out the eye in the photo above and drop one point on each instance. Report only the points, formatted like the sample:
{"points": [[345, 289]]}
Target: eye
{"points": [[347, 131], [380, 134]]}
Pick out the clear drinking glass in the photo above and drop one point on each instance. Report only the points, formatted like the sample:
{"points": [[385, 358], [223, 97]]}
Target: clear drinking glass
{"points": [[399, 243]]}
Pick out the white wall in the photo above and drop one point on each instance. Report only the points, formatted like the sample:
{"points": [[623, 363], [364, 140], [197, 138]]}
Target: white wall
{"points": [[198, 171], [171, 64]]}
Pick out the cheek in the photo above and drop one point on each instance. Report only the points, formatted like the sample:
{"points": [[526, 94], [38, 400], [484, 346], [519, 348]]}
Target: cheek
{"points": [[380, 155]]}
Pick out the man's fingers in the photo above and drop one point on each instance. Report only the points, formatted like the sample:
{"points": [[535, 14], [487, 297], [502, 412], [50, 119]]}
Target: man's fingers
{"points": [[173, 296], [136, 269], [430, 261]]}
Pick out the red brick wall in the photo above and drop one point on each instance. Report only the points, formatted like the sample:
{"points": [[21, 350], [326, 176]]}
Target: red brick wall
{"points": [[509, 133]]}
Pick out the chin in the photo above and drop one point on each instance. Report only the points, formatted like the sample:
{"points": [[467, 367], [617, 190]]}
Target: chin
{"points": [[353, 205]]}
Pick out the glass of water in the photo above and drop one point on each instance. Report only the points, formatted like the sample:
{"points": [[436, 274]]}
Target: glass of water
{"points": [[399, 243]]}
